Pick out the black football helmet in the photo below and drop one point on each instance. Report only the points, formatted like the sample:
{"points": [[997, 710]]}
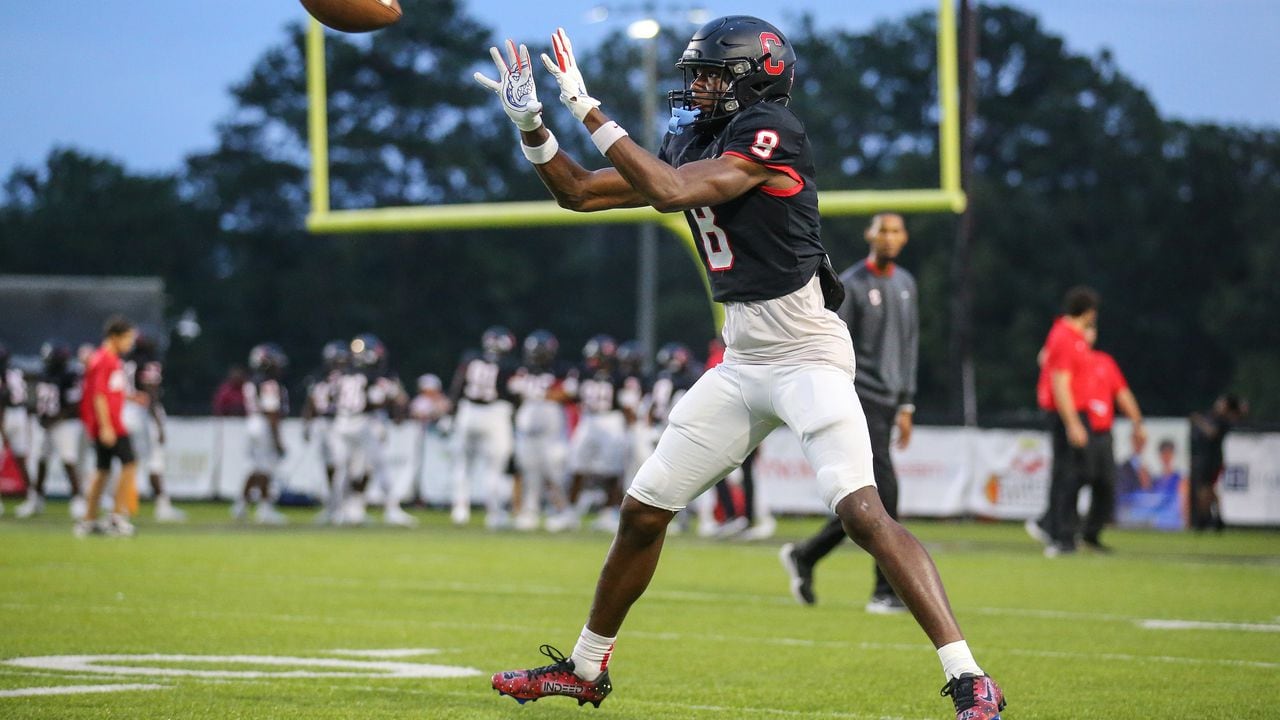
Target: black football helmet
{"points": [[336, 355], [630, 357], [674, 357], [367, 351], [497, 341], [268, 358], [758, 63], [600, 350], [145, 348], [540, 348], [55, 354]]}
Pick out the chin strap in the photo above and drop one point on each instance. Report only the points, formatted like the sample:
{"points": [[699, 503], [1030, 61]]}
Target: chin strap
{"points": [[681, 119]]}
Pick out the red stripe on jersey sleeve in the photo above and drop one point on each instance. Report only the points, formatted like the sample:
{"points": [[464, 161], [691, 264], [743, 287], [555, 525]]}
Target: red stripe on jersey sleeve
{"points": [[784, 169]]}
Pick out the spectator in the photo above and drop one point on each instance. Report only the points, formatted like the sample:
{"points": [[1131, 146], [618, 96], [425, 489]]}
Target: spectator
{"points": [[1106, 389], [1208, 433], [1060, 392], [228, 399]]}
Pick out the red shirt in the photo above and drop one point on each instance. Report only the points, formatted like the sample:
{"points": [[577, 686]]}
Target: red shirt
{"points": [[1065, 350], [1105, 382], [103, 376]]}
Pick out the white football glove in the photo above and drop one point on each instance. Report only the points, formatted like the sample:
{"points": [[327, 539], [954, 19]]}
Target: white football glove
{"points": [[573, 92], [515, 87]]}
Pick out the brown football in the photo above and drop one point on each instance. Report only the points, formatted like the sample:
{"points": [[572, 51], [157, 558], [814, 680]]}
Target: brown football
{"points": [[354, 16]]}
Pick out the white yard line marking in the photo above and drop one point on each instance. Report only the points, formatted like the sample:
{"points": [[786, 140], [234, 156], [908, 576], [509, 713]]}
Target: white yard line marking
{"points": [[388, 653], [1201, 625], [77, 690], [333, 668]]}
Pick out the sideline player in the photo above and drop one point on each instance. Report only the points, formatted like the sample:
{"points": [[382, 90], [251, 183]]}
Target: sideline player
{"points": [[881, 309], [266, 402], [599, 447], [318, 411], [541, 447], [738, 164], [58, 412], [15, 424], [482, 435], [145, 417], [102, 413]]}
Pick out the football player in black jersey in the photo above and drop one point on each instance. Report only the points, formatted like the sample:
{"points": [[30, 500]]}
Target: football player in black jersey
{"points": [[541, 446], [58, 413], [482, 435], [737, 163], [145, 418], [319, 410], [15, 424], [266, 402]]}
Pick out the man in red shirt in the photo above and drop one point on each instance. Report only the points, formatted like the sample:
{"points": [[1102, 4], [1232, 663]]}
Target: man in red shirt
{"points": [[1105, 390], [101, 411], [1061, 393]]}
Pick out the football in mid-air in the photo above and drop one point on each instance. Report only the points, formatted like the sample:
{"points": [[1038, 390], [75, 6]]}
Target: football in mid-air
{"points": [[354, 16]]}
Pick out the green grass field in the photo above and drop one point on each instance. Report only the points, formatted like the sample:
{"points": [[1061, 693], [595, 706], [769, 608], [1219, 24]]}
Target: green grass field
{"points": [[717, 636]]}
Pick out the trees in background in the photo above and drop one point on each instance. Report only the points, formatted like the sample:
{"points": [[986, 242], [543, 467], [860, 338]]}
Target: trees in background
{"points": [[1077, 180]]}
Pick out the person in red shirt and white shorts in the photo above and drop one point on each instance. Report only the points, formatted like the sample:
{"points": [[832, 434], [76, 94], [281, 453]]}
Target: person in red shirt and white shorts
{"points": [[101, 411]]}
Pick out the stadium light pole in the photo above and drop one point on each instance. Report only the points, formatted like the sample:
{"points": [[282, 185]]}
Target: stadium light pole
{"points": [[646, 30]]}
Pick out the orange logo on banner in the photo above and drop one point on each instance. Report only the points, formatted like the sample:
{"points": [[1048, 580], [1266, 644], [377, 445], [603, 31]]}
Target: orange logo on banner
{"points": [[993, 489]]}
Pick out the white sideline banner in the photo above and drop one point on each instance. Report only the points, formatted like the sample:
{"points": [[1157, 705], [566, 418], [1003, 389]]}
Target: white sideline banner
{"points": [[945, 472], [1250, 485]]}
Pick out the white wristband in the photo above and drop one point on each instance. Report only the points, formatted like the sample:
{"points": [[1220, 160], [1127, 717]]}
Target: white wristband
{"points": [[542, 154], [606, 135]]}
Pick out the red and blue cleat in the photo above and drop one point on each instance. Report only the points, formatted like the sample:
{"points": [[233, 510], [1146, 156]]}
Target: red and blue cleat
{"points": [[557, 678], [976, 697]]}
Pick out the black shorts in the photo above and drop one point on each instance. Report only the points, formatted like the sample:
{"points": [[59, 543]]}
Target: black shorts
{"points": [[122, 450]]}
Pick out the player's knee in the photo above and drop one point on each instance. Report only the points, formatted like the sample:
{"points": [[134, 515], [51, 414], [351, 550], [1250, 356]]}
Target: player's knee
{"points": [[640, 524], [863, 516]]}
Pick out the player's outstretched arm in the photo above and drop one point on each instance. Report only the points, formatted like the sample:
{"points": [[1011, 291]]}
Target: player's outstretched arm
{"points": [[573, 186], [668, 189]]}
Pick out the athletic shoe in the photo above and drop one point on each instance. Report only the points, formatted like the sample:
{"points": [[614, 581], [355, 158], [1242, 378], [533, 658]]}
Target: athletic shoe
{"points": [[801, 574], [527, 521], [497, 520], [78, 507], [1053, 550], [1037, 533], [266, 514], [732, 527], [460, 515], [1098, 547], [84, 528], [119, 526], [239, 509], [762, 530], [167, 513], [560, 522], [886, 605], [976, 697], [32, 506], [557, 678], [395, 515]]}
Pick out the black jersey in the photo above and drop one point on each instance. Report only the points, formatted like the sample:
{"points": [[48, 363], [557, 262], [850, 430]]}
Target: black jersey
{"points": [[481, 379], [668, 388], [597, 389], [13, 388], [58, 396], [766, 243]]}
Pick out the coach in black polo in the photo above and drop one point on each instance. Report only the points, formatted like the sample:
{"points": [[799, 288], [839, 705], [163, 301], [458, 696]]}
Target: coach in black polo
{"points": [[882, 312]]}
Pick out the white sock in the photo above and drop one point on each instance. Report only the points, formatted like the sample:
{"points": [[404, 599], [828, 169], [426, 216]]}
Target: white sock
{"points": [[591, 654], [957, 660]]}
